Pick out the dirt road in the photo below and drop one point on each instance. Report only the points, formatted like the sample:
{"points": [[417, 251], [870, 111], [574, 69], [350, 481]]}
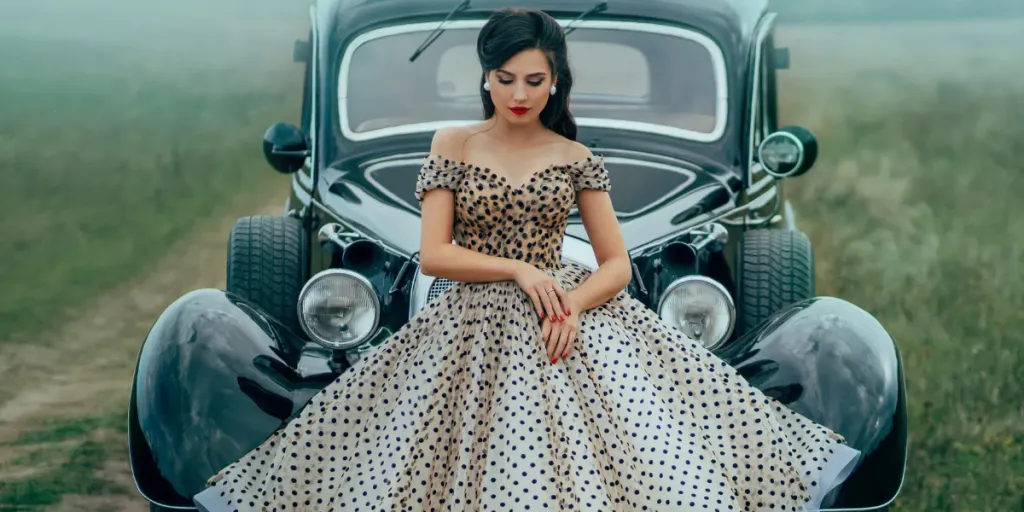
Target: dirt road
{"points": [[85, 371]]}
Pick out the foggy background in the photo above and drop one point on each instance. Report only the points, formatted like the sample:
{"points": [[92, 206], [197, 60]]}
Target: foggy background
{"points": [[130, 142]]}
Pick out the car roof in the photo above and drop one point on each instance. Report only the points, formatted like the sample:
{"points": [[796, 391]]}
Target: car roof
{"points": [[725, 20]]}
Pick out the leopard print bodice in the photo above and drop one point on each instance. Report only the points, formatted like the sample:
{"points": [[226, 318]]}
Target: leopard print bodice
{"points": [[525, 222]]}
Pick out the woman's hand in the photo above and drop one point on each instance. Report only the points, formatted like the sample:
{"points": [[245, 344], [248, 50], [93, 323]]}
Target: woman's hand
{"points": [[547, 295], [560, 336]]}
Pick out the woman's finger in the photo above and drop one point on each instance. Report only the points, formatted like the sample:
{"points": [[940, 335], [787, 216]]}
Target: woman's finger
{"points": [[571, 340], [563, 299], [545, 298], [552, 341], [563, 340], [532, 292], [556, 304]]}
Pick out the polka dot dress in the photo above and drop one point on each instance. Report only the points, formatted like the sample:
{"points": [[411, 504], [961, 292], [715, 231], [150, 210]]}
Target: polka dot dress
{"points": [[462, 411]]}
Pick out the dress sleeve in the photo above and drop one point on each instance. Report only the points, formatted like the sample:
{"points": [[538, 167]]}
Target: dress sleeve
{"points": [[438, 172], [590, 174]]}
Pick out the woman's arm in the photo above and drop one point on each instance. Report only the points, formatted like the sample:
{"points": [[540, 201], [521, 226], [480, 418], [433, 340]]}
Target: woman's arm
{"points": [[602, 226], [438, 256]]}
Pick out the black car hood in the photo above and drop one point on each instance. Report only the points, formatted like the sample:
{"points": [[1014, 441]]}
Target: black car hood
{"points": [[652, 197]]}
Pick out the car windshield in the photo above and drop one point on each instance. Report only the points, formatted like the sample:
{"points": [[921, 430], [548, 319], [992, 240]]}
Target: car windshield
{"points": [[634, 76]]}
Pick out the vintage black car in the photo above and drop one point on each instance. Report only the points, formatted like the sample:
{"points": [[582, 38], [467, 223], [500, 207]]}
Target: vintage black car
{"points": [[679, 96]]}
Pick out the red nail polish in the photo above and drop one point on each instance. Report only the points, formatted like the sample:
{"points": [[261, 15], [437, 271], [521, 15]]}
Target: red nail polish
{"points": [[568, 312], [555, 360], [561, 317], [542, 315]]}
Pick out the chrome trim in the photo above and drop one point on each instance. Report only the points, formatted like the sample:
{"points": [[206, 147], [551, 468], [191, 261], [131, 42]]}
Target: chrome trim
{"points": [[385, 159], [762, 183], [714, 284], [384, 243], [755, 100], [760, 202], [716, 237], [714, 51], [717, 215], [790, 215], [361, 280], [314, 98], [418, 295], [796, 166]]}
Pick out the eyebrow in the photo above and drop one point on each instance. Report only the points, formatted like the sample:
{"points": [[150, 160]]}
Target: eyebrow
{"points": [[531, 75]]}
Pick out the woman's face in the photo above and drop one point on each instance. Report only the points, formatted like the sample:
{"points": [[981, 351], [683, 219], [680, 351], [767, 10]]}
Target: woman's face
{"points": [[520, 88]]}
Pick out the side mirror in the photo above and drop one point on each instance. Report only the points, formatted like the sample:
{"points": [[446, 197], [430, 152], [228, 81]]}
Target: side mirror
{"points": [[789, 152], [285, 147], [781, 58], [301, 50]]}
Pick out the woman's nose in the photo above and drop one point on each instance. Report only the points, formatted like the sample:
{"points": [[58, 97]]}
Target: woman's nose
{"points": [[520, 93]]}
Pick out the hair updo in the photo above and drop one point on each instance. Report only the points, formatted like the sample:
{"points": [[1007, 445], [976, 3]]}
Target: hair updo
{"points": [[511, 31]]}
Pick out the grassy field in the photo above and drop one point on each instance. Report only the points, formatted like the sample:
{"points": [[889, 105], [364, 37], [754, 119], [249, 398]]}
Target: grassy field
{"points": [[124, 127], [118, 132], [120, 136], [914, 214]]}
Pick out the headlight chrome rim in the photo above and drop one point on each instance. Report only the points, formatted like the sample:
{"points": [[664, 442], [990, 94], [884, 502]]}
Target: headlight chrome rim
{"points": [[781, 135], [361, 280], [678, 283]]}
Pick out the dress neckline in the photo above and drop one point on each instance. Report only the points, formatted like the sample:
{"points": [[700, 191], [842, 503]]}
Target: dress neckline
{"points": [[529, 178]]}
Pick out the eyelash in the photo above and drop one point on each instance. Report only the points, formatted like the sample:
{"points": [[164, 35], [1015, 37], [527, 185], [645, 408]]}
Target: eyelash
{"points": [[506, 82]]}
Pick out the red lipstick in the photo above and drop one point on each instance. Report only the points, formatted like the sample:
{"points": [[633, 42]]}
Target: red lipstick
{"points": [[519, 110]]}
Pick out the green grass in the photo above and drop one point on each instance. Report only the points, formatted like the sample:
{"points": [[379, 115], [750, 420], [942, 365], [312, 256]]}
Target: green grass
{"points": [[70, 467], [110, 150], [915, 215]]}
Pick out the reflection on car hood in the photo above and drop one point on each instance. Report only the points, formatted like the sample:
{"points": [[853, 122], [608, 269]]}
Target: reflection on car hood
{"points": [[650, 198]]}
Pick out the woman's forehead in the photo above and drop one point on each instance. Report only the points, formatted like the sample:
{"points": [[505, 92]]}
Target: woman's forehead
{"points": [[527, 62]]}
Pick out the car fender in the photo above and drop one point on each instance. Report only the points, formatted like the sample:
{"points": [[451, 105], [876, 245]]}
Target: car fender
{"points": [[214, 378], [834, 363]]}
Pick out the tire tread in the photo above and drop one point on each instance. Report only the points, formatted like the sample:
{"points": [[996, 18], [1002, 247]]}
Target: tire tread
{"points": [[267, 265], [776, 270]]}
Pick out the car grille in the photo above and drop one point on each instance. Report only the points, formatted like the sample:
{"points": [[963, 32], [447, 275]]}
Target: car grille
{"points": [[438, 287]]}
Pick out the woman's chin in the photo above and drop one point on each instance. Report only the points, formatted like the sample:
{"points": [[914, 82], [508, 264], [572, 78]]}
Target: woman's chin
{"points": [[523, 120]]}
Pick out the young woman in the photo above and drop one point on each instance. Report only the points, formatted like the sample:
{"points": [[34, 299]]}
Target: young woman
{"points": [[532, 383]]}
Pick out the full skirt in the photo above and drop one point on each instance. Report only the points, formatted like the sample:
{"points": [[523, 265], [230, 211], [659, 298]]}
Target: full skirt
{"points": [[461, 410]]}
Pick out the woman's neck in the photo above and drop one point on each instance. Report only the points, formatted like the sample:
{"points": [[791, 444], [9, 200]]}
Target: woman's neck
{"points": [[516, 135]]}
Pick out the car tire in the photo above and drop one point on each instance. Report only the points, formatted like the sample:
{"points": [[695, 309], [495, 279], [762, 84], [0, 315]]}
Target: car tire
{"points": [[776, 269], [267, 265]]}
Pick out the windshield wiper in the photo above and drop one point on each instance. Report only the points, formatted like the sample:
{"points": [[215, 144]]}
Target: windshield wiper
{"points": [[600, 7], [463, 5]]}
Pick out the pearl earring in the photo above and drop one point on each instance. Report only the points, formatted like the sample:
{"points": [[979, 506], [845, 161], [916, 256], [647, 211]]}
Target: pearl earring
{"points": [[487, 86], [553, 90]]}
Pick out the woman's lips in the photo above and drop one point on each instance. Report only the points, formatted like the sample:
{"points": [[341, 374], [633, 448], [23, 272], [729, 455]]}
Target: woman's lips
{"points": [[519, 110]]}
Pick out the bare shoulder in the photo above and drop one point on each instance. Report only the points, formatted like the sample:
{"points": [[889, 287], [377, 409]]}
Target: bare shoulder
{"points": [[449, 141], [574, 152]]}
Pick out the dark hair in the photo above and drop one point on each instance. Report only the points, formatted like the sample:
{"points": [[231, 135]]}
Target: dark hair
{"points": [[510, 31]]}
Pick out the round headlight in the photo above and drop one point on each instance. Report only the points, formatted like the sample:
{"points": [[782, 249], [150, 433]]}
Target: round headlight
{"points": [[701, 308], [338, 309]]}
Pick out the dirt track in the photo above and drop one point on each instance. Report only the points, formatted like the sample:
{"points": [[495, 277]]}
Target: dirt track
{"points": [[86, 370]]}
